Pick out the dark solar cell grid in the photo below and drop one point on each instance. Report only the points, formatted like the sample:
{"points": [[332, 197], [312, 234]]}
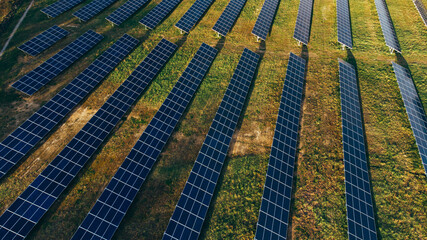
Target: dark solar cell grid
{"points": [[193, 15], [228, 17], [303, 24], [344, 23], [387, 25], [265, 19], [93, 8], [43, 41], [60, 7], [158, 13], [421, 10], [125, 11]]}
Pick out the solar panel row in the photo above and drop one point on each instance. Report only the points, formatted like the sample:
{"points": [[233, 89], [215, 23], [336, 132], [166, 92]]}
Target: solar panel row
{"points": [[18, 220], [387, 26], [93, 8], [43, 41], [60, 7], [303, 24], [360, 211], [414, 109], [108, 211], [193, 15], [157, 14], [190, 212], [421, 10], [228, 17], [275, 208], [344, 24], [25, 137], [265, 19], [125, 11], [40, 76]]}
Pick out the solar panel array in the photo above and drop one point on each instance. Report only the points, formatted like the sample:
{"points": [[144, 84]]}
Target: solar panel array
{"points": [[275, 208], [228, 17], [387, 26], [40, 76], [43, 41], [108, 211], [92, 9], [18, 220], [421, 10], [158, 13], [265, 19], [360, 211], [303, 24], [25, 137], [125, 11], [193, 15], [190, 212], [60, 7], [414, 109], [344, 23]]}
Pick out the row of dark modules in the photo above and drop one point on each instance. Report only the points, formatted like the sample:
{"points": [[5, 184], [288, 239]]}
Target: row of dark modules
{"points": [[190, 212]]}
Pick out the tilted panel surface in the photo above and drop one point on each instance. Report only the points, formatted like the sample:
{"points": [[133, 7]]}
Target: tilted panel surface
{"points": [[303, 24], [387, 25], [360, 210], [40, 76], [344, 23], [43, 41], [60, 7], [26, 136], [273, 219], [421, 10], [109, 210], [190, 212], [228, 17], [158, 13], [265, 19], [18, 220], [193, 15], [92, 9]]}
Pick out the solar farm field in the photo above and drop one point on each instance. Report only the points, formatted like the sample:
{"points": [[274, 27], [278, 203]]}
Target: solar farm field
{"points": [[318, 199]]}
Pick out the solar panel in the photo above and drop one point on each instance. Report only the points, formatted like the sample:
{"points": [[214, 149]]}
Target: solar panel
{"points": [[228, 17], [109, 210], [125, 11], [414, 109], [344, 24], [303, 24], [40, 76], [18, 220], [275, 208], [26, 136], [387, 26], [421, 10], [60, 7], [265, 19], [92, 9], [158, 13], [190, 212], [193, 15], [360, 211], [43, 41]]}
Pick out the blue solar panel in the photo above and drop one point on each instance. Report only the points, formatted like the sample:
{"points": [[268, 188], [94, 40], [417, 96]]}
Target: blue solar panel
{"points": [[275, 208], [60, 7], [109, 210], [40, 76], [414, 109], [193, 15], [157, 14], [228, 17], [360, 211], [25, 137], [344, 23], [421, 10], [303, 24], [387, 26], [190, 212], [125, 11], [92, 9], [43, 41], [265, 19], [18, 220]]}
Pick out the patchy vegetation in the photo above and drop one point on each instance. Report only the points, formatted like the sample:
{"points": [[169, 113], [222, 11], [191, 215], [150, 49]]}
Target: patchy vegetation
{"points": [[318, 208]]}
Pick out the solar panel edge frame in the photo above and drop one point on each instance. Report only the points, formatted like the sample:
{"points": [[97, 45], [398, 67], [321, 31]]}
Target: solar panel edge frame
{"points": [[418, 10], [252, 32], [68, 114], [107, 17], [40, 34], [198, 20], [299, 129], [340, 60], [169, 13], [82, 20], [310, 25], [406, 110], [392, 25]]}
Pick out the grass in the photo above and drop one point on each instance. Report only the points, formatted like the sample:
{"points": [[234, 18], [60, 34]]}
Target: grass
{"points": [[318, 208]]}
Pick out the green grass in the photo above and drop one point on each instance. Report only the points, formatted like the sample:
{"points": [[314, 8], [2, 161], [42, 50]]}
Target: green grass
{"points": [[318, 206]]}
